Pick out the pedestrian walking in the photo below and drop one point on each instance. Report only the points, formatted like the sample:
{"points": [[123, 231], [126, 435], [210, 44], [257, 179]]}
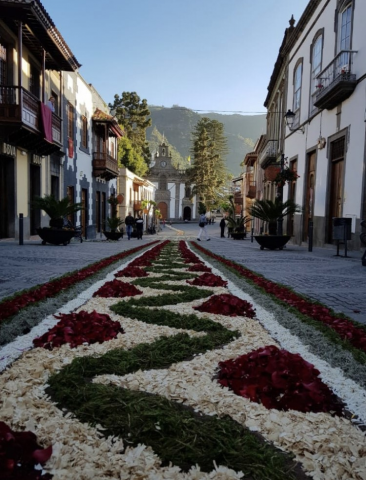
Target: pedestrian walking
{"points": [[202, 224], [129, 222], [222, 227], [139, 227]]}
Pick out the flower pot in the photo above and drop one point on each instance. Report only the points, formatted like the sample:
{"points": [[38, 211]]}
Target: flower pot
{"points": [[113, 235], [55, 236], [271, 172], [272, 242], [238, 235], [120, 198]]}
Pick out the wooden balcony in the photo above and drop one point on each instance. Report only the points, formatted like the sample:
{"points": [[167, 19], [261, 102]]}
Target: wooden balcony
{"points": [[238, 199], [137, 206], [20, 121], [104, 165], [336, 82], [250, 189]]}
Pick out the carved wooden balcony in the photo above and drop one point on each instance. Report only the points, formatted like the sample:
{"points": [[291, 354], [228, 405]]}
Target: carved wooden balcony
{"points": [[336, 82], [137, 206], [20, 120], [104, 165], [250, 189], [238, 199]]}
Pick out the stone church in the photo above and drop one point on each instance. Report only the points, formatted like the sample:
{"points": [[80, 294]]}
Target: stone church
{"points": [[172, 196]]}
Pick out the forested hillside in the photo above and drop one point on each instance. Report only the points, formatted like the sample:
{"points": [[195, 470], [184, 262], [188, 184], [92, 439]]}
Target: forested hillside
{"points": [[177, 123]]}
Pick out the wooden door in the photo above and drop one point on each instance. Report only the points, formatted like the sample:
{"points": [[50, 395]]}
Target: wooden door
{"points": [[35, 191], [4, 215], [97, 211], [70, 192], [162, 206], [102, 208], [292, 196], [309, 193], [84, 211], [336, 184]]}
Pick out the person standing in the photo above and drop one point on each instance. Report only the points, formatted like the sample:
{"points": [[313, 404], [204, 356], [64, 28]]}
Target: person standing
{"points": [[129, 222], [222, 226], [51, 104], [139, 227], [202, 224]]}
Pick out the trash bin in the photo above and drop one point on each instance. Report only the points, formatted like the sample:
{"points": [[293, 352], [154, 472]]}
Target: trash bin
{"points": [[342, 228]]}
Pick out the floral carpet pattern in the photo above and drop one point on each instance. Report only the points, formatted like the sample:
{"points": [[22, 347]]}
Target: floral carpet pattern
{"points": [[168, 370]]}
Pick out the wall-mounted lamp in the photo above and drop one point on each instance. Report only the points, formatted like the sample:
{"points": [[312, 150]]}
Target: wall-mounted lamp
{"points": [[24, 153], [289, 118]]}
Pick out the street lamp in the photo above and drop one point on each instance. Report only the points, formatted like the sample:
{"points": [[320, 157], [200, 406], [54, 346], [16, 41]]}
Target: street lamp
{"points": [[289, 118]]}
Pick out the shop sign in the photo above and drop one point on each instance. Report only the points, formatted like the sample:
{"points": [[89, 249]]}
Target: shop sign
{"points": [[36, 160], [8, 150]]}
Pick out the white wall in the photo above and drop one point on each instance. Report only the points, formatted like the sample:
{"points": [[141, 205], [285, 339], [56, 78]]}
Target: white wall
{"points": [[325, 122]]}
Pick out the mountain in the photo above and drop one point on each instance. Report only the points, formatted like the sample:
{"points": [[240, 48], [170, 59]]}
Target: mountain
{"points": [[175, 125]]}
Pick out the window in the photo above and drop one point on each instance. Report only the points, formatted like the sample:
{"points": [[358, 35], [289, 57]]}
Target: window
{"points": [[3, 65], [84, 132], [34, 81], [346, 28], [297, 87], [162, 182], [55, 96], [70, 120], [316, 67]]}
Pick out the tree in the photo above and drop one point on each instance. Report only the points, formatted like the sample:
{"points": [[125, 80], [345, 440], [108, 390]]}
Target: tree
{"points": [[133, 115], [208, 173], [129, 158]]}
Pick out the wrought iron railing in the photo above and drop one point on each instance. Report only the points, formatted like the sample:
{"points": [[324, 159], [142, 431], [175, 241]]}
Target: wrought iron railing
{"points": [[339, 68], [269, 151]]}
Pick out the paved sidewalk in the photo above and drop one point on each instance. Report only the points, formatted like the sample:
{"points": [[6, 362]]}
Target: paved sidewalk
{"points": [[338, 282], [335, 281], [24, 266]]}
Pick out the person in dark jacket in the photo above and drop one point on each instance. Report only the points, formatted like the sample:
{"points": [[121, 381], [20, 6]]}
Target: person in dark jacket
{"points": [[222, 226], [129, 222], [139, 227]]}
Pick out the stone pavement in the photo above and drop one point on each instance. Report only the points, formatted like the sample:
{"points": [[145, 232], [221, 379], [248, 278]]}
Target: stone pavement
{"points": [[334, 281]]}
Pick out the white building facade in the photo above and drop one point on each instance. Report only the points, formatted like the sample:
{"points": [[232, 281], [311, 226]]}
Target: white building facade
{"points": [[326, 91]]}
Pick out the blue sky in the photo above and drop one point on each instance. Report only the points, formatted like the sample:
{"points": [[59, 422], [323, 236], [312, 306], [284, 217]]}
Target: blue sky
{"points": [[202, 54]]}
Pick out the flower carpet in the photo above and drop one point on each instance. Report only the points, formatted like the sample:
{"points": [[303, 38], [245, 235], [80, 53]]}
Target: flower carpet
{"points": [[169, 368]]}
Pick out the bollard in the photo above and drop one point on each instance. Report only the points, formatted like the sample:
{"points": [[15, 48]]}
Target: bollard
{"points": [[310, 235], [21, 234], [252, 235]]}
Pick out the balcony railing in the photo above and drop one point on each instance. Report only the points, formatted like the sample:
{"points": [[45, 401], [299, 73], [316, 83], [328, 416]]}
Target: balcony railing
{"points": [[20, 108], [250, 189], [336, 82], [238, 199], [104, 166], [269, 153]]}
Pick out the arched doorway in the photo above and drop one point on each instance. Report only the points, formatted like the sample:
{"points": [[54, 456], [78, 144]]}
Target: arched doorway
{"points": [[187, 213], [162, 206]]}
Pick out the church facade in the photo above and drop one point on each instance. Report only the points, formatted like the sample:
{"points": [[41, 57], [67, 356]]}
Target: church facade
{"points": [[173, 197]]}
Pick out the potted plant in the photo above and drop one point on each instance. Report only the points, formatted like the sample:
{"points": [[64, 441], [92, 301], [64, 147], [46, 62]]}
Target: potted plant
{"points": [[57, 210], [113, 223], [237, 226], [270, 212], [285, 175]]}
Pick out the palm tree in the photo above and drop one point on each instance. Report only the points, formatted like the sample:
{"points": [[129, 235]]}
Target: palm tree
{"points": [[271, 212], [57, 210]]}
